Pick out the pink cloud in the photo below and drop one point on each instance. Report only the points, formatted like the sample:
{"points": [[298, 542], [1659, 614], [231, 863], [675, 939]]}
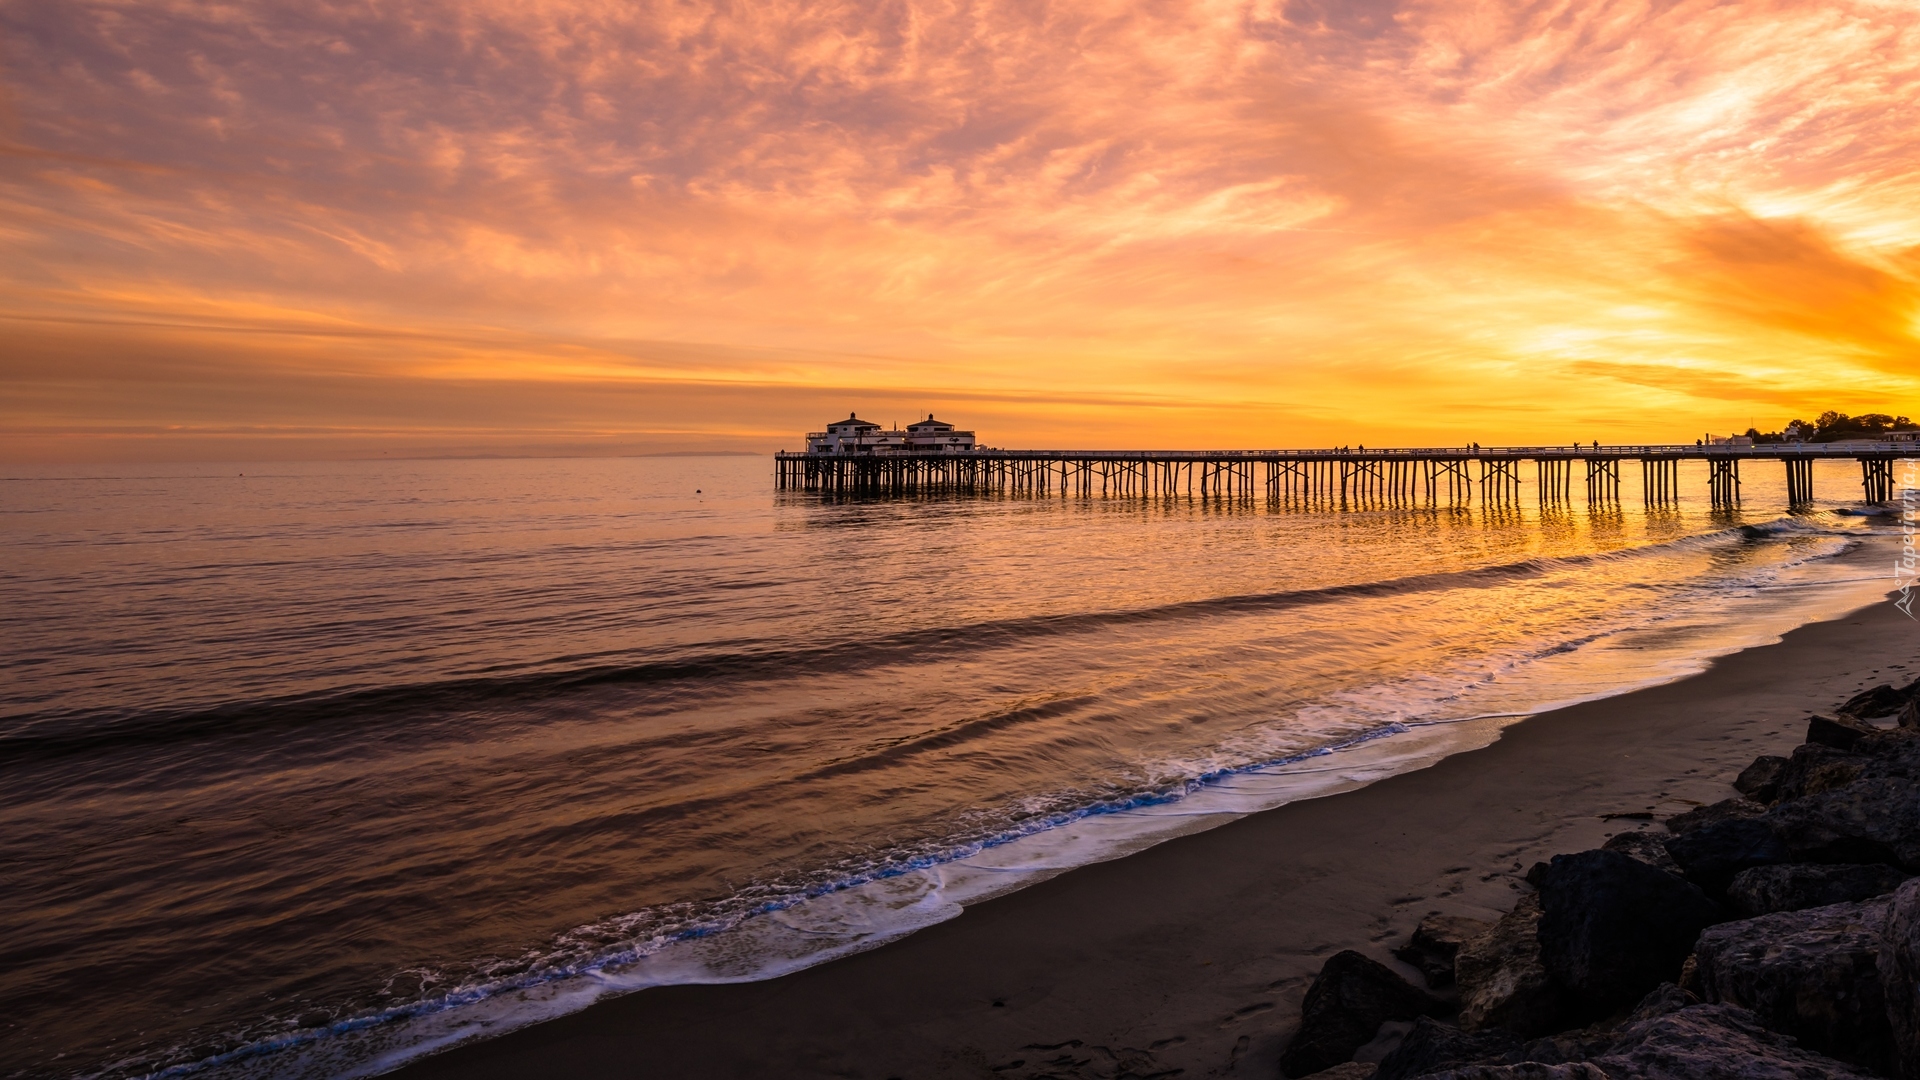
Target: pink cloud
{"points": [[1208, 202]]}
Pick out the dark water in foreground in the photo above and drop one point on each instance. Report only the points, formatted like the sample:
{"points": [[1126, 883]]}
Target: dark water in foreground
{"points": [[305, 769]]}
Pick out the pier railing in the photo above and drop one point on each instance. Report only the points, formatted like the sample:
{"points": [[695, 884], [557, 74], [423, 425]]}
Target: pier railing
{"points": [[1393, 473]]}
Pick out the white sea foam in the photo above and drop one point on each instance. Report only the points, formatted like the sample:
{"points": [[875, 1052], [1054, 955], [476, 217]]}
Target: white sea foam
{"points": [[1384, 730]]}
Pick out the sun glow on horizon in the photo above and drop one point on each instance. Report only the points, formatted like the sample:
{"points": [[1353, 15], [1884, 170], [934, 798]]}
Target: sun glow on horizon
{"points": [[258, 229]]}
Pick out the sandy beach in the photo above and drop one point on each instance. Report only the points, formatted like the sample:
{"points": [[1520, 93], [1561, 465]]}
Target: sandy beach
{"points": [[1193, 955]]}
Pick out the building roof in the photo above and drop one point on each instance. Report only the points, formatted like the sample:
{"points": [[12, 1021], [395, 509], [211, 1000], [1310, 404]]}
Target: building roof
{"points": [[929, 423], [851, 421]]}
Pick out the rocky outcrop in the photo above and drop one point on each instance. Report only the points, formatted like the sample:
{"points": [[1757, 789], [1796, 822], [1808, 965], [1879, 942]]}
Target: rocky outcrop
{"points": [[1839, 732], [1868, 821], [1872, 819], [1812, 769], [1351, 1070], [1527, 1070], [1889, 754], [1433, 1047], [1811, 974], [1436, 943], [1596, 1039], [1649, 848], [1613, 928], [1502, 980], [1713, 856], [1882, 700], [1820, 977], [1760, 781], [1701, 817], [1713, 1042], [1348, 1001], [1668, 1036], [1798, 886], [1900, 977]]}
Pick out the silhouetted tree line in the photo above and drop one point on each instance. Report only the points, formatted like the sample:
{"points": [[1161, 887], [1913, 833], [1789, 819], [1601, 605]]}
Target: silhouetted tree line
{"points": [[1832, 426]]}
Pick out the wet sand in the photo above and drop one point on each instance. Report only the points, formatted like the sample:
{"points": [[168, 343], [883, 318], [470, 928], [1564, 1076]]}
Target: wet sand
{"points": [[1193, 955]]}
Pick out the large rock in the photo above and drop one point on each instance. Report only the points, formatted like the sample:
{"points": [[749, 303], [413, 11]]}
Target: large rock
{"points": [[1352, 1070], [1649, 848], [1713, 1042], [1760, 781], [1889, 754], [1436, 1049], [1813, 768], [1502, 981], [1596, 1039], [1711, 857], [1874, 820], [1433, 1047], [1798, 886], [1348, 1001], [1701, 817], [1900, 977], [1435, 944], [1526, 1070], [1613, 928], [1882, 700], [1811, 974], [1839, 732]]}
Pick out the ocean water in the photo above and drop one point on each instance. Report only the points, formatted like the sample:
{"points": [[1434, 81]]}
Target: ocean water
{"points": [[306, 769]]}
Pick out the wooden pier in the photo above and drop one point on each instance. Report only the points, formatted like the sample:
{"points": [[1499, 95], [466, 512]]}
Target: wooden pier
{"points": [[1444, 474]]}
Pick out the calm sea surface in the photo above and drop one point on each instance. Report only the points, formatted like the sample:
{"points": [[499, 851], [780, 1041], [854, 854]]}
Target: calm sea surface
{"points": [[307, 767]]}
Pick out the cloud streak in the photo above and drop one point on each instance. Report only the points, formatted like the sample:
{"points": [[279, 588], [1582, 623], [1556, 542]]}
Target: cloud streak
{"points": [[1305, 222]]}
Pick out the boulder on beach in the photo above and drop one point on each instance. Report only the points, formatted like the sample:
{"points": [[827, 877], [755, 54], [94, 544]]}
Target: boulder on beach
{"points": [[1526, 1070], [1584, 1044], [1701, 817], [1900, 976], [1811, 974], [1760, 781], [1502, 981], [1434, 1047], [1763, 890], [1713, 856], [1435, 944], [1714, 1042], [1873, 820], [1882, 700], [1813, 768], [1889, 754], [1613, 928], [1349, 1070], [1348, 1001], [1839, 732], [1649, 848]]}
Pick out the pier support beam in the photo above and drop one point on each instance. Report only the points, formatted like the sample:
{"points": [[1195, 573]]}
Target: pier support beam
{"points": [[1553, 479], [1799, 481], [1603, 479], [1499, 480], [1876, 479], [1660, 481], [1364, 478], [1723, 481]]}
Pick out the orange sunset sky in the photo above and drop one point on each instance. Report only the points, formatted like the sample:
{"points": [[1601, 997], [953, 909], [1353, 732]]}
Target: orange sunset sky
{"points": [[316, 229]]}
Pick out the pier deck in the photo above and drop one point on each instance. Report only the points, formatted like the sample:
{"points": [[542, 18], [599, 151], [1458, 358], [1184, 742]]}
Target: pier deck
{"points": [[1434, 473]]}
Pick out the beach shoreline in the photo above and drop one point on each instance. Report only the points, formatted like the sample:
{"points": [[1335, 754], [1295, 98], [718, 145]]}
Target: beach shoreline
{"points": [[1194, 954]]}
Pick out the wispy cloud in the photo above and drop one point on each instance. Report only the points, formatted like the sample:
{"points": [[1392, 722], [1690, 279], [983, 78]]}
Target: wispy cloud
{"points": [[1311, 221]]}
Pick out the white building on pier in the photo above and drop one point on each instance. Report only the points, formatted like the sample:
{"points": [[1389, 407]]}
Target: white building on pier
{"points": [[856, 436]]}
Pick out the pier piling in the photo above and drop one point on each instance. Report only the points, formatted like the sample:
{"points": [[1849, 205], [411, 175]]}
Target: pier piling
{"points": [[1395, 477]]}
